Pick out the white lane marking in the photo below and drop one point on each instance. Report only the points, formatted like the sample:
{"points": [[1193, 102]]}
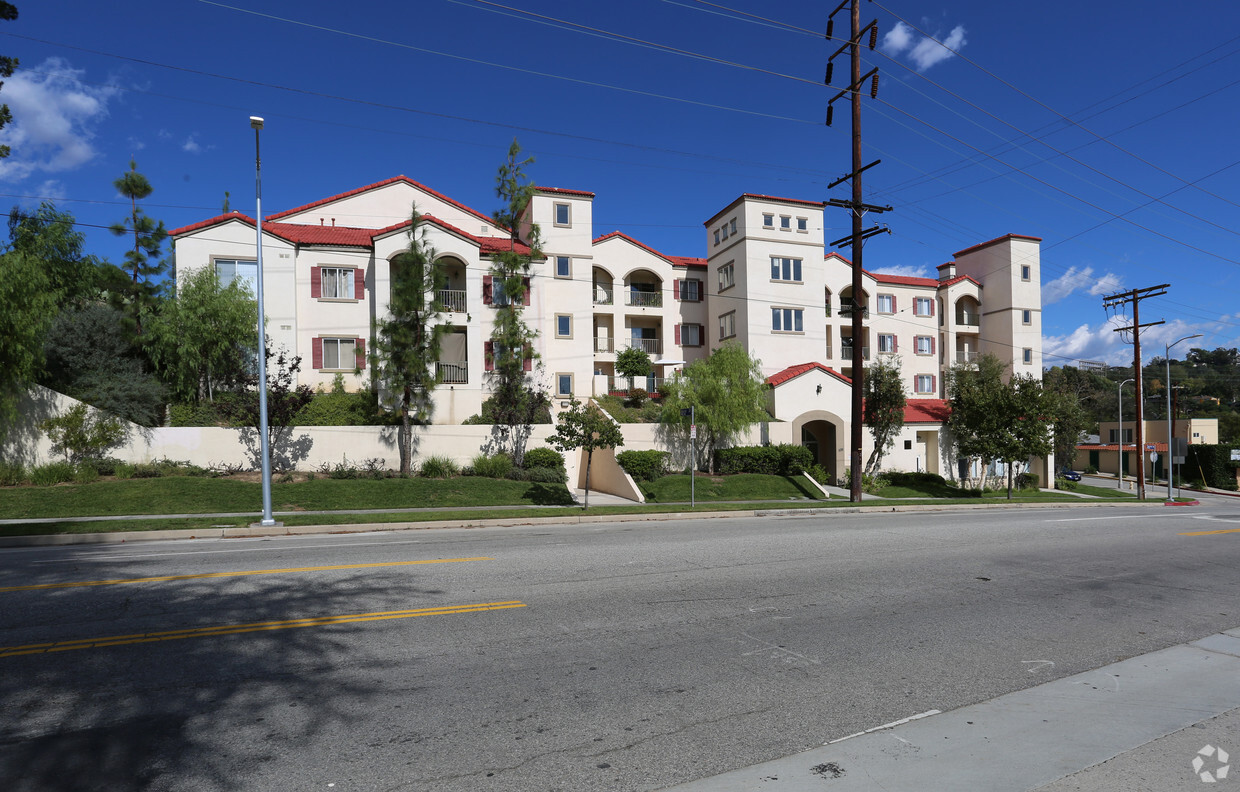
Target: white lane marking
{"points": [[891, 725], [1044, 663], [126, 556], [1153, 516]]}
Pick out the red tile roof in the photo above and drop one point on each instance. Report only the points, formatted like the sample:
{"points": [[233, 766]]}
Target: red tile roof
{"points": [[901, 280], [926, 410], [959, 278], [996, 241], [1128, 447], [377, 185], [688, 261], [838, 256], [631, 240], [563, 191], [300, 234], [224, 218], [792, 372]]}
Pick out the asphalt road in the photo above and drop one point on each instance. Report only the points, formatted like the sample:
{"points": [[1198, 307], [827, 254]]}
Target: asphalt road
{"points": [[625, 656]]}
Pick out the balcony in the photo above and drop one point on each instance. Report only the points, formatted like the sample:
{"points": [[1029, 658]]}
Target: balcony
{"points": [[645, 299], [651, 346], [966, 356], [846, 308], [452, 300], [604, 344], [966, 319], [846, 352], [452, 373], [602, 295], [620, 386]]}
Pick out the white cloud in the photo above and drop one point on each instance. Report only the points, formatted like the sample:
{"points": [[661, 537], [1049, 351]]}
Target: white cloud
{"points": [[1076, 279], [1107, 284], [1103, 344], [52, 190], [191, 145], [923, 51], [54, 119], [904, 271]]}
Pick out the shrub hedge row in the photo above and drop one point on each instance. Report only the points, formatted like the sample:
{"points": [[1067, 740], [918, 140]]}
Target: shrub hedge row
{"points": [[777, 460]]}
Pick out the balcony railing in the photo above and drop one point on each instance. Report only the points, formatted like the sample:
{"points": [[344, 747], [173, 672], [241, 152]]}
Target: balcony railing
{"points": [[622, 385], [846, 352], [966, 355], [602, 295], [452, 300], [651, 346], [604, 344], [646, 299], [452, 373], [847, 305], [968, 319]]}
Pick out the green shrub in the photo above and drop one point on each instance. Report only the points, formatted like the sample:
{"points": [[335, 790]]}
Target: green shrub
{"points": [[778, 460], [123, 471], [915, 480], [85, 473], [1027, 481], [338, 407], [82, 432], [201, 414], [144, 470], [643, 465], [51, 473], [546, 475], [1091, 469], [1214, 462], [12, 474], [819, 473], [543, 458], [440, 467], [496, 466], [637, 398], [871, 483], [1064, 484], [518, 474], [794, 459], [487, 416]]}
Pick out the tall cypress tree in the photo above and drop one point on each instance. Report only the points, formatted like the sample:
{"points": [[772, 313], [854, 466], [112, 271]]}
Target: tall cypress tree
{"points": [[515, 396], [406, 345], [142, 263]]}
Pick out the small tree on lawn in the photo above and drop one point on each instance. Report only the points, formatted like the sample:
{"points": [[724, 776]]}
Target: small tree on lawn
{"points": [[975, 392], [727, 393], [284, 401], [83, 432], [884, 408], [406, 346], [585, 427], [1027, 421]]}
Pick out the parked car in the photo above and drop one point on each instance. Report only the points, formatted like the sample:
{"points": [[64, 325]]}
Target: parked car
{"points": [[1070, 475]]}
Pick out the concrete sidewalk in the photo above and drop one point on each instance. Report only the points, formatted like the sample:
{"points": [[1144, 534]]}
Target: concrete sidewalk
{"points": [[1154, 722]]}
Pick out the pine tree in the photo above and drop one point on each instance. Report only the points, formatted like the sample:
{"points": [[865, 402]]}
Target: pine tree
{"points": [[516, 397], [406, 345], [142, 265], [8, 12]]}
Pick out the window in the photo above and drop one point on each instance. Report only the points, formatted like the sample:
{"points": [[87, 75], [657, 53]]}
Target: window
{"points": [[803, 224], [727, 325], [716, 236], [886, 304], [787, 320], [723, 231], [688, 290], [1025, 272], [1026, 317], [1127, 435], [785, 269], [924, 345], [563, 385], [732, 226], [335, 283], [785, 223], [338, 354], [563, 267], [227, 271], [563, 214], [1028, 356], [688, 335], [727, 276], [768, 220], [494, 293], [923, 306], [563, 326], [924, 383], [886, 344]]}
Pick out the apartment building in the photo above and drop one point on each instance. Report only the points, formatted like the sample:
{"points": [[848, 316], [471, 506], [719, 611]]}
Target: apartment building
{"points": [[766, 282]]}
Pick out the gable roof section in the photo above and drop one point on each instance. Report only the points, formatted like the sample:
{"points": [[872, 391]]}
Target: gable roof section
{"points": [[632, 241], [217, 220], [297, 233], [792, 372], [563, 191], [375, 186], [959, 278], [996, 241], [688, 261]]}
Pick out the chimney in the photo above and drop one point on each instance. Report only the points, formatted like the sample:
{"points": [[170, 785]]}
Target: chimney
{"points": [[947, 271], [333, 222]]}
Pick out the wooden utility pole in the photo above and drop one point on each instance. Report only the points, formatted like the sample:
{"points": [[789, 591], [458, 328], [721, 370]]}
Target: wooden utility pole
{"points": [[857, 208], [1135, 297]]}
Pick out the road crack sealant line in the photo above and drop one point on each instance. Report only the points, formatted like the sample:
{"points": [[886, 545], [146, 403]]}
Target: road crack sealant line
{"points": [[259, 531]]}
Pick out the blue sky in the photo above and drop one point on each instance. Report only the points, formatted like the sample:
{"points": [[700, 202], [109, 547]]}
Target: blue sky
{"points": [[1105, 128]]}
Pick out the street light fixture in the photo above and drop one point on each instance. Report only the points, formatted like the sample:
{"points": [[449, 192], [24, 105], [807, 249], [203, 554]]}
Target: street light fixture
{"points": [[256, 124], [1120, 437], [1170, 423]]}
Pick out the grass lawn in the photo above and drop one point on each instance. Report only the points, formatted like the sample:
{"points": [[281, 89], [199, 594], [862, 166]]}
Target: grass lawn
{"points": [[739, 487], [191, 495], [1104, 492]]}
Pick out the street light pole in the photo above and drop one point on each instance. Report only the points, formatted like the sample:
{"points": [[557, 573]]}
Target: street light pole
{"points": [[1170, 422], [256, 124], [1120, 436]]}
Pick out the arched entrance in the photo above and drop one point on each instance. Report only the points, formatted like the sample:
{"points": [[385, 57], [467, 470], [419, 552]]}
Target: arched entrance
{"points": [[822, 433]]}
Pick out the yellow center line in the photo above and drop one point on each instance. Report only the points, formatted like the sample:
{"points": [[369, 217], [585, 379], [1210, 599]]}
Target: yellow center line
{"points": [[234, 629], [1211, 533], [166, 578]]}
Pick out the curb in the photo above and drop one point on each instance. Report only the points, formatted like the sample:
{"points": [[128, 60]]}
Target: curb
{"points": [[256, 531], [1182, 503]]}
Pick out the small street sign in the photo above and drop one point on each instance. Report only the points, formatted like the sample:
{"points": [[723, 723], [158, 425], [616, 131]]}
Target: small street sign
{"points": [[1153, 456], [693, 432], [1149, 447]]}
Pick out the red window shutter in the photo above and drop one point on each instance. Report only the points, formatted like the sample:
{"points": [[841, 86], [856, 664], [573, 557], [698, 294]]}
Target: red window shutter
{"points": [[932, 302], [895, 344], [360, 349], [932, 344], [527, 362], [893, 304], [914, 383], [487, 289], [359, 283], [488, 355], [677, 331], [934, 382], [700, 290], [676, 291], [316, 354], [525, 296], [316, 282]]}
